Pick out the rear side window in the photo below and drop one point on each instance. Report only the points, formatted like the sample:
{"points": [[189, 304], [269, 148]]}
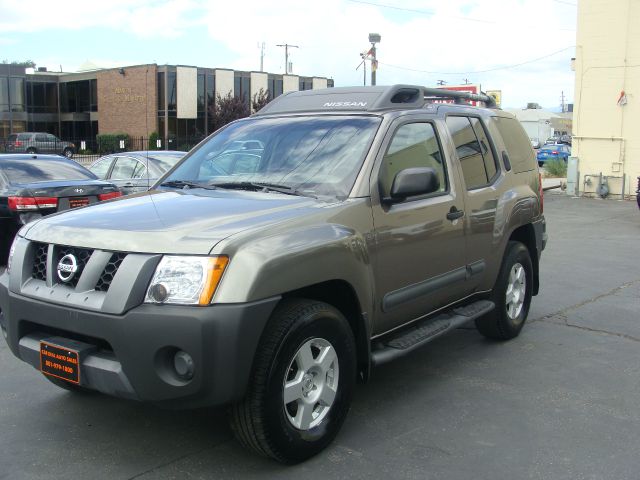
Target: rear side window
{"points": [[30, 171], [474, 151], [517, 143], [24, 136]]}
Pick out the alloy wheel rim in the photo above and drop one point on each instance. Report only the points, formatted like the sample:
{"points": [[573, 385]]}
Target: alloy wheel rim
{"points": [[310, 384], [516, 290]]}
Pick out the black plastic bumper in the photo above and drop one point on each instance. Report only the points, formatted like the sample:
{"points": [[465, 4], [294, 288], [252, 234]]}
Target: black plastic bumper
{"points": [[131, 355]]}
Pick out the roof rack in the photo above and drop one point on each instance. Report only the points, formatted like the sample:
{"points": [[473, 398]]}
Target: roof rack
{"points": [[368, 99]]}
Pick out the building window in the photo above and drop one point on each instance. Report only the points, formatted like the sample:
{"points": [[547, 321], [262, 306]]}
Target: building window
{"points": [[161, 92], [93, 85], [201, 92], [242, 86], [330, 83], [171, 91], [16, 89], [306, 83], [4, 94], [274, 84]]}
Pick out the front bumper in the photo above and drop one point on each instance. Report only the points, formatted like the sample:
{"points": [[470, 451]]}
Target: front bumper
{"points": [[130, 355]]}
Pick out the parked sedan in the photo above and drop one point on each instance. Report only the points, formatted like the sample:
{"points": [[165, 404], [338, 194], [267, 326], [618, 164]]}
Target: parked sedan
{"points": [[35, 142], [135, 171], [553, 152], [35, 185]]}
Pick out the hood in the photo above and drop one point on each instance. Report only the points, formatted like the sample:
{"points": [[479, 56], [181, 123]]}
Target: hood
{"points": [[190, 222]]}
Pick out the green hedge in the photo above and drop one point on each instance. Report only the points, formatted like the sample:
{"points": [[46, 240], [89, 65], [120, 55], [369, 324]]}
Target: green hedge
{"points": [[110, 142]]}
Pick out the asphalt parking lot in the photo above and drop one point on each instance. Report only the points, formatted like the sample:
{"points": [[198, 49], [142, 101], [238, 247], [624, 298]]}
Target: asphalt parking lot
{"points": [[559, 402]]}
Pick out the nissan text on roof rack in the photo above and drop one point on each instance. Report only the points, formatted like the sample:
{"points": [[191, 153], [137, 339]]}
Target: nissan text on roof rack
{"points": [[365, 223]]}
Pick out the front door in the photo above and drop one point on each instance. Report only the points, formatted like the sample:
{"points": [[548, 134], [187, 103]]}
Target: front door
{"points": [[419, 258]]}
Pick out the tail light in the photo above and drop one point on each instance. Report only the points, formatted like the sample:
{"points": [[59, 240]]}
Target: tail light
{"points": [[109, 196], [32, 203], [554, 152], [17, 143], [540, 192]]}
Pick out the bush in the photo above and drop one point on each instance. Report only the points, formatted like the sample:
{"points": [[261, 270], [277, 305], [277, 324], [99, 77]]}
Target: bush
{"points": [[555, 168], [110, 142], [227, 109], [153, 141]]}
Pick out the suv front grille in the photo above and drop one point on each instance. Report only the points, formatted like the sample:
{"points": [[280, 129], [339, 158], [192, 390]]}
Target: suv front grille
{"points": [[40, 261], [82, 256], [109, 271]]}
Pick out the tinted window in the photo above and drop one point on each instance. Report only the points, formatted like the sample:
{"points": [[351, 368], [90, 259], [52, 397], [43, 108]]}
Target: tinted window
{"points": [[41, 137], [469, 152], [28, 171], [413, 145], [518, 147], [318, 155], [485, 148]]}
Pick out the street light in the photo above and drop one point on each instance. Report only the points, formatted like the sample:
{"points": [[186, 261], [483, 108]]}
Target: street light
{"points": [[374, 38]]}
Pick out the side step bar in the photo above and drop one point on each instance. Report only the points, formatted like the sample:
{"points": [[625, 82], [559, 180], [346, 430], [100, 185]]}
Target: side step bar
{"points": [[400, 343]]}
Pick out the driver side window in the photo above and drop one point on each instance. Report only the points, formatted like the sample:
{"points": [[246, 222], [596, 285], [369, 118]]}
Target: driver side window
{"points": [[413, 145]]}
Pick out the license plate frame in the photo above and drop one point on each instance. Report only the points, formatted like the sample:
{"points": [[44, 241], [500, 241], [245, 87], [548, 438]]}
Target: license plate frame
{"points": [[77, 202], [60, 362]]}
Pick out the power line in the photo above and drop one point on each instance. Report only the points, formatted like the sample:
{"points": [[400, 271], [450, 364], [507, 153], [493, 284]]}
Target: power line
{"points": [[504, 67], [459, 17]]}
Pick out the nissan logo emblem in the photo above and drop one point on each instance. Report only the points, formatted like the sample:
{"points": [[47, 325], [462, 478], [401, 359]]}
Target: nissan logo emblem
{"points": [[67, 267]]}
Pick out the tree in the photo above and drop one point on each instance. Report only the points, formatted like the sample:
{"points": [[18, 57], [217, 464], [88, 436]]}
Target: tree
{"points": [[227, 109], [260, 99], [25, 64]]}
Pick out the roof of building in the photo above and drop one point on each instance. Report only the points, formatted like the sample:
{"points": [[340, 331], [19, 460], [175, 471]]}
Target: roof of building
{"points": [[531, 114]]}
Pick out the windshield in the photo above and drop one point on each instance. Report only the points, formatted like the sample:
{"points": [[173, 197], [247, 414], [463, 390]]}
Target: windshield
{"points": [[319, 156]]}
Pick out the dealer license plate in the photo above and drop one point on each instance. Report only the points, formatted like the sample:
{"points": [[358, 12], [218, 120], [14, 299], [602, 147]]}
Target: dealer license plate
{"points": [[59, 362], [78, 202]]}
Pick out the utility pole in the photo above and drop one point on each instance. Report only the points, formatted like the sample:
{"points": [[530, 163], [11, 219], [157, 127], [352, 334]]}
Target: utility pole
{"points": [[374, 38], [261, 47], [364, 67], [441, 82], [286, 55], [466, 81], [562, 100]]}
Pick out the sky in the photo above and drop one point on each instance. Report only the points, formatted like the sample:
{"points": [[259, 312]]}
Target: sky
{"points": [[521, 47]]}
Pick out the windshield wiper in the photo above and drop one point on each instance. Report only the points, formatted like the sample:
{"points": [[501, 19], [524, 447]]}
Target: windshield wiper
{"points": [[186, 183], [262, 187]]}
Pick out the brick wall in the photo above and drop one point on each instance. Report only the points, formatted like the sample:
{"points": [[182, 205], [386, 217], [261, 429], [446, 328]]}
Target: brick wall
{"points": [[125, 100]]}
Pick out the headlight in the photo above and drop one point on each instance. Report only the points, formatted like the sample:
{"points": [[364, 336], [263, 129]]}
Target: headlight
{"points": [[186, 280], [11, 252]]}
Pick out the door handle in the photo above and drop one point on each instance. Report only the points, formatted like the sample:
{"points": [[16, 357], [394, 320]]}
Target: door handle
{"points": [[454, 213]]}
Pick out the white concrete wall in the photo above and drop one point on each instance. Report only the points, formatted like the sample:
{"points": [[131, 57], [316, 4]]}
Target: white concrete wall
{"points": [[319, 83], [187, 92], [538, 130], [224, 82], [290, 83], [258, 81], [606, 137]]}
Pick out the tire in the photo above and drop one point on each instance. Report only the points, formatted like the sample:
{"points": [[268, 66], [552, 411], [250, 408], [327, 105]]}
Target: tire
{"points": [[70, 387], [262, 422], [68, 152], [31, 150], [512, 304]]}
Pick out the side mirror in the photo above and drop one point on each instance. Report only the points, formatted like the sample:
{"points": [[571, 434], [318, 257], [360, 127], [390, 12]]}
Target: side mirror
{"points": [[413, 181]]}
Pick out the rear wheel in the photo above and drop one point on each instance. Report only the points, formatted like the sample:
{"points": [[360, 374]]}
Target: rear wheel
{"points": [[511, 295], [303, 381], [31, 150], [68, 152]]}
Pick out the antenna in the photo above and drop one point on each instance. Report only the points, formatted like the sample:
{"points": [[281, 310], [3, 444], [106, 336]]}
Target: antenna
{"points": [[287, 65]]}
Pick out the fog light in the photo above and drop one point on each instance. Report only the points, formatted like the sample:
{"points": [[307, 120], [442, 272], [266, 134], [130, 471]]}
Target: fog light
{"points": [[158, 292], [183, 365]]}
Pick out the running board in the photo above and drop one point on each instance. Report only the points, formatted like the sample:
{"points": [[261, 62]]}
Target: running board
{"points": [[400, 343]]}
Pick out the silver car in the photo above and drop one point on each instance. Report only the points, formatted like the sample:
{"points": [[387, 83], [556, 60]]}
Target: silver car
{"points": [[34, 142]]}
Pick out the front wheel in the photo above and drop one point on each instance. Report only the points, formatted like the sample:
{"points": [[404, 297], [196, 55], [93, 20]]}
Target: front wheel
{"points": [[511, 295], [31, 150], [302, 385], [68, 152]]}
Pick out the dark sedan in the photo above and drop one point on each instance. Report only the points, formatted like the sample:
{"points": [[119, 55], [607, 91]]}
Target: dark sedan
{"points": [[35, 185], [135, 171]]}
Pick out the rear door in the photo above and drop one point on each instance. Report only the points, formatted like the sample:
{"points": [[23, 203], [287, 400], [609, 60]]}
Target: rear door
{"points": [[41, 144], [419, 259], [476, 160], [123, 172]]}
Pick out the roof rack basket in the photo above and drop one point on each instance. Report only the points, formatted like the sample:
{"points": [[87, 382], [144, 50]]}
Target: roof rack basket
{"points": [[458, 97]]}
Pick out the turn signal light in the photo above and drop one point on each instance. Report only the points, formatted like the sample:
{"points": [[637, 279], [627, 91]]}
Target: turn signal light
{"points": [[109, 196], [32, 203]]}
